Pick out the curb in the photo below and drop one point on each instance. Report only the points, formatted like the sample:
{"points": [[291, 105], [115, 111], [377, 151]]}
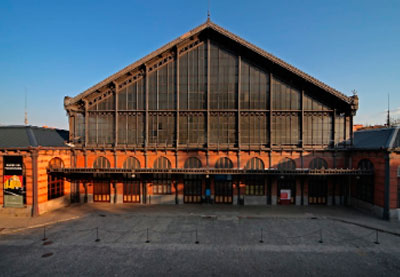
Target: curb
{"points": [[15, 230], [365, 226]]}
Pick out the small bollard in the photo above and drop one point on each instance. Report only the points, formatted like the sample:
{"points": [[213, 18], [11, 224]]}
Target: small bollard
{"points": [[197, 241], [261, 236], [320, 236], [147, 235], [97, 234], [44, 233], [377, 237]]}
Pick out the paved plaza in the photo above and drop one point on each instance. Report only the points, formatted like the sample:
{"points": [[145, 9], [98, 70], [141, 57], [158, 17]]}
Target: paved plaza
{"points": [[199, 240]]}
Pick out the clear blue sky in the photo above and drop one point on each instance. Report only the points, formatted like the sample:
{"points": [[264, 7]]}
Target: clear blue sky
{"points": [[58, 48]]}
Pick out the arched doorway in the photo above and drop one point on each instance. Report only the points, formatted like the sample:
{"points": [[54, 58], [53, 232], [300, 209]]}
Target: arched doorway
{"points": [[193, 183], [365, 184], [101, 188], [286, 183], [131, 193], [162, 182], [318, 185], [223, 185], [255, 184], [55, 182]]}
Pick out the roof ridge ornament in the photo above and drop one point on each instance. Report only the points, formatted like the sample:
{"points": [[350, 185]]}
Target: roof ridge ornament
{"points": [[208, 12]]}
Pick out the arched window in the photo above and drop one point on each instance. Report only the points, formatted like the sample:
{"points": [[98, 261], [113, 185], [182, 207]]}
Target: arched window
{"points": [[55, 182], [162, 163], [101, 162], [255, 163], [224, 163], [318, 163], [193, 162], [131, 163], [162, 182], [286, 164], [365, 184], [56, 163]]}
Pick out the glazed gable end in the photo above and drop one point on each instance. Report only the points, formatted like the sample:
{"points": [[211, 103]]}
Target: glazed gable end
{"points": [[208, 71]]}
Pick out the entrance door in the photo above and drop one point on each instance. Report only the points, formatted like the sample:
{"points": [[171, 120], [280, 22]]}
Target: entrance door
{"points": [[223, 192], [317, 191], [193, 188], [287, 184], [75, 192], [101, 192], [132, 192]]}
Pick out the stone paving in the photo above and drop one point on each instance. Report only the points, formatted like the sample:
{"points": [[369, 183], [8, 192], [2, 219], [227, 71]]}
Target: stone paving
{"points": [[304, 241]]}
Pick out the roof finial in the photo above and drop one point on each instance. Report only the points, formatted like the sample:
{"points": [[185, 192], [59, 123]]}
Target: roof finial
{"points": [[208, 12]]}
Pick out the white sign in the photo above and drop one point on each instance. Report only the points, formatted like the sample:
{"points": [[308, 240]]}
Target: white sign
{"points": [[285, 194]]}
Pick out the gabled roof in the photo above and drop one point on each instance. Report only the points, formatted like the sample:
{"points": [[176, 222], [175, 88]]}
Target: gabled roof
{"points": [[31, 136], [226, 33], [383, 138]]}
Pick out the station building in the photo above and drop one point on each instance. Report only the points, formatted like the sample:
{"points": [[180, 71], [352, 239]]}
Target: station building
{"points": [[212, 118]]}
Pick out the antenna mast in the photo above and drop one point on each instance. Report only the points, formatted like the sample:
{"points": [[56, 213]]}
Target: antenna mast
{"points": [[388, 113], [26, 108]]}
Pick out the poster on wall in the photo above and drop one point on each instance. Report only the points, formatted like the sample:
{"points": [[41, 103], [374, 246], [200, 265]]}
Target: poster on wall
{"points": [[13, 180], [285, 194]]}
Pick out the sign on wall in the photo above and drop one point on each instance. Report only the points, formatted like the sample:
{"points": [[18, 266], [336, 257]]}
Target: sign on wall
{"points": [[14, 189], [285, 194]]}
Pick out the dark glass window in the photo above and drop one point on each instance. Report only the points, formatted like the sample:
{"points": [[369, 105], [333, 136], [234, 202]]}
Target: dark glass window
{"points": [[254, 93], [254, 128], [132, 97], [285, 128], [79, 128], [162, 87], [101, 128], [223, 78], [284, 96], [317, 128], [131, 128], [223, 128], [162, 128], [192, 128], [193, 79]]}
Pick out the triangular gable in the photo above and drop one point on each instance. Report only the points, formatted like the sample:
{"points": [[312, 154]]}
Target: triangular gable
{"points": [[353, 101]]}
